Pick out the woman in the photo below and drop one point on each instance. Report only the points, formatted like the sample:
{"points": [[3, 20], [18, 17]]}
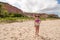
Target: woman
{"points": [[37, 24]]}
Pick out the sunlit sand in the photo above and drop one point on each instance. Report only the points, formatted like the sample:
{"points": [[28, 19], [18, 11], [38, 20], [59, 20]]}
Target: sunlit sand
{"points": [[49, 30]]}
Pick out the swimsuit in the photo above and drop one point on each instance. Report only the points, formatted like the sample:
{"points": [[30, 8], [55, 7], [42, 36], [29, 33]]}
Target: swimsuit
{"points": [[37, 22]]}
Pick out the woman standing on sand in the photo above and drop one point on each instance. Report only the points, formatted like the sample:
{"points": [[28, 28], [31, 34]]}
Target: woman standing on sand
{"points": [[37, 24]]}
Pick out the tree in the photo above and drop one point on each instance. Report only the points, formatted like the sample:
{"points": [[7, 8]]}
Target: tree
{"points": [[3, 12], [1, 9]]}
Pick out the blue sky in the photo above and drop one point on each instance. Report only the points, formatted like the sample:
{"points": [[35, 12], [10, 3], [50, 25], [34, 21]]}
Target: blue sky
{"points": [[47, 6], [58, 1]]}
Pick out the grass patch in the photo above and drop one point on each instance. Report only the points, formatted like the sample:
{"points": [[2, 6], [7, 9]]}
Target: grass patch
{"points": [[20, 19], [14, 19]]}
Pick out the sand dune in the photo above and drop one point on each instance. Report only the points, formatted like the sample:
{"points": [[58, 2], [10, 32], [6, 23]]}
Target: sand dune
{"points": [[49, 30]]}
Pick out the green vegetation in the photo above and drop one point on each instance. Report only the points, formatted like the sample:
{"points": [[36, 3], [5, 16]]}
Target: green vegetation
{"points": [[7, 17], [12, 17]]}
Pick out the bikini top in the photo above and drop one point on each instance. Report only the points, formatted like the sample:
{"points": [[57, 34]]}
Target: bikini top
{"points": [[37, 20]]}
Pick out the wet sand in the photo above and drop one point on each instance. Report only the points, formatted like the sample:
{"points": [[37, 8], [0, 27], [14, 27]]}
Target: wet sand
{"points": [[49, 30]]}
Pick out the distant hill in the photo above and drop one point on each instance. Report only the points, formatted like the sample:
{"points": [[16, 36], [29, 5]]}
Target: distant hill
{"points": [[10, 8]]}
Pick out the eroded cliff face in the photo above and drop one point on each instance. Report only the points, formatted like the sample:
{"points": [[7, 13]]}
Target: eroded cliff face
{"points": [[10, 8]]}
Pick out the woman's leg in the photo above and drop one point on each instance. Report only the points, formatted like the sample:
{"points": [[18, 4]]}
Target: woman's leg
{"points": [[37, 30]]}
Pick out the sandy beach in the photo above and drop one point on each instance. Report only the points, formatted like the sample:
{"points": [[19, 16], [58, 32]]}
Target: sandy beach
{"points": [[49, 30]]}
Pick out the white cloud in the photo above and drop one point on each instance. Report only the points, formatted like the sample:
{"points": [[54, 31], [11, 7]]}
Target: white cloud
{"points": [[3, 0], [32, 5], [11, 1], [55, 10]]}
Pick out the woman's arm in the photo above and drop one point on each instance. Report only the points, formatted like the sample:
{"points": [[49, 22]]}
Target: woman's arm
{"points": [[39, 21]]}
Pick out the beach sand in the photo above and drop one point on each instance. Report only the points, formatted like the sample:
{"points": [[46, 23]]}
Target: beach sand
{"points": [[49, 30]]}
